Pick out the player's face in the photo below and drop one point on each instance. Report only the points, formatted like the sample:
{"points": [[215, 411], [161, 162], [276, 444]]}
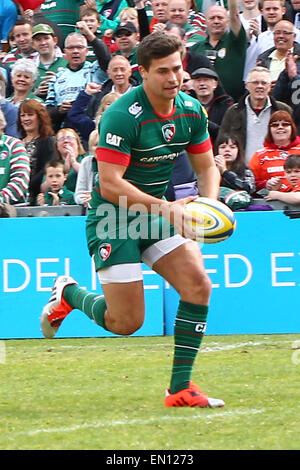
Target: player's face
{"points": [[163, 79], [56, 178]]}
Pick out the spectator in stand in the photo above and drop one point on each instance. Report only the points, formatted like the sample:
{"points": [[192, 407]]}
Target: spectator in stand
{"points": [[120, 81], [109, 11], [22, 33], [24, 74], [14, 168], [252, 20], [274, 58], [9, 110], [267, 164], [78, 116], [126, 37], [64, 13], [187, 84], [228, 40], [65, 87], [88, 173], [191, 60], [230, 161], [49, 60], [179, 13], [8, 17], [293, 12], [273, 11], [160, 13], [88, 25], [57, 194], [287, 87], [32, 13], [292, 175], [248, 119], [35, 129], [71, 152], [211, 94]]}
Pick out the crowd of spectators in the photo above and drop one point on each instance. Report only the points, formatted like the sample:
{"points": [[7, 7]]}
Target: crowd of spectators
{"points": [[63, 62]]}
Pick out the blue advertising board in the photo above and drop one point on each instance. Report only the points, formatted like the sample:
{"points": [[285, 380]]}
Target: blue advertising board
{"points": [[34, 252], [255, 277]]}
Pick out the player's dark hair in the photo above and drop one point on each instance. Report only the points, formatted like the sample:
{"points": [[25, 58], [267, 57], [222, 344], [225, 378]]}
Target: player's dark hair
{"points": [[156, 46], [292, 161]]}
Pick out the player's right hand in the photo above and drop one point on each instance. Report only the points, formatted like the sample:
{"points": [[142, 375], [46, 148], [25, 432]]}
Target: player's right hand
{"points": [[182, 221]]}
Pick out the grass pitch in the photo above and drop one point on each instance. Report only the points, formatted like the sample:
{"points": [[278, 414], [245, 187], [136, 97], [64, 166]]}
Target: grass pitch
{"points": [[107, 393]]}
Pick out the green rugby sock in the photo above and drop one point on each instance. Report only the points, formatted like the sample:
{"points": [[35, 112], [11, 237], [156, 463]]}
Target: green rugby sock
{"points": [[190, 326], [92, 305]]}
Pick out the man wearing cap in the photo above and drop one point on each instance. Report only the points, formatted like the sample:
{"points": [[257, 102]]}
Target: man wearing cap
{"points": [[211, 94], [126, 37], [50, 58]]}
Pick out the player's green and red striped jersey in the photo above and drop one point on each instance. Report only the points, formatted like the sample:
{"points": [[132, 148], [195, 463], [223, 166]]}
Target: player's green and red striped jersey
{"points": [[134, 135]]}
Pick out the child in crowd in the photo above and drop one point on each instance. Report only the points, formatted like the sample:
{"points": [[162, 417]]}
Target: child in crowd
{"points": [[57, 194], [88, 173], [292, 174]]}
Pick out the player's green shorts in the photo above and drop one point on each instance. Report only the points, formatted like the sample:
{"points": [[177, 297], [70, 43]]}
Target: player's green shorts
{"points": [[117, 236]]}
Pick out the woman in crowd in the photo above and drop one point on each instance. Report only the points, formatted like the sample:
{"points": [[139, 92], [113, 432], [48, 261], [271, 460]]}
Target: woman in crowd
{"points": [[231, 164], [70, 150], [35, 129], [23, 76], [281, 141]]}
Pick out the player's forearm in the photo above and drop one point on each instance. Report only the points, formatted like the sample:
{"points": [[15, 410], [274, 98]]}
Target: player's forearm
{"points": [[209, 182]]}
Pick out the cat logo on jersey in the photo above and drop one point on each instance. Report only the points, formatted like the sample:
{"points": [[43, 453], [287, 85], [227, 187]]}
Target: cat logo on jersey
{"points": [[104, 251], [168, 131]]}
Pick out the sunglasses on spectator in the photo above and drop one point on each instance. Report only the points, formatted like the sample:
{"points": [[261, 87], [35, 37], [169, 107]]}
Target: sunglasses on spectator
{"points": [[280, 124], [120, 34]]}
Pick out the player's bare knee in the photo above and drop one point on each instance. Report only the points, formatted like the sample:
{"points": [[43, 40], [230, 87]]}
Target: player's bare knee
{"points": [[197, 289], [124, 324]]}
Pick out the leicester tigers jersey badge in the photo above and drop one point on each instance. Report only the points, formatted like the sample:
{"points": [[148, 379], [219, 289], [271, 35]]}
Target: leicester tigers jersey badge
{"points": [[104, 251], [168, 131]]}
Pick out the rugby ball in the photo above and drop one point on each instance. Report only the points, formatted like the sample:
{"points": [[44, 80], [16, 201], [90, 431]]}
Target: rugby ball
{"points": [[219, 221]]}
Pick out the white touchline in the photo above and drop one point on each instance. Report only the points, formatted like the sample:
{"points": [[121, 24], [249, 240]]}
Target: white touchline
{"points": [[143, 422]]}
